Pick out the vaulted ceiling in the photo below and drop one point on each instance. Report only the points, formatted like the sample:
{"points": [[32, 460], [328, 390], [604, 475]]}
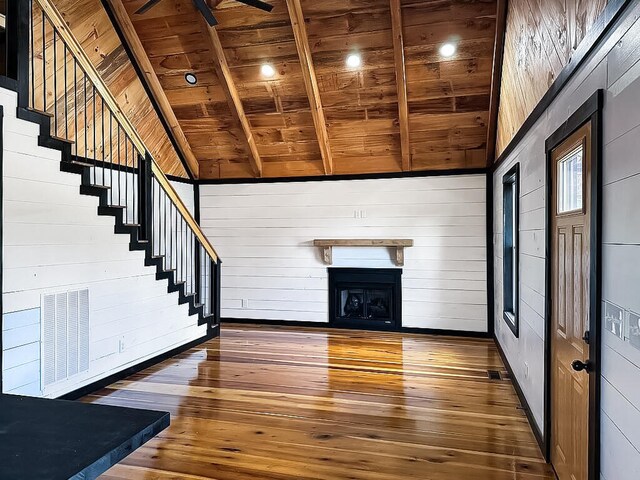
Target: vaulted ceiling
{"points": [[316, 115]]}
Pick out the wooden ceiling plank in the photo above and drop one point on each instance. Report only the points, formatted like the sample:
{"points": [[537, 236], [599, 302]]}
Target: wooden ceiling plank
{"points": [[401, 83], [157, 91], [231, 92], [496, 81], [310, 81]]}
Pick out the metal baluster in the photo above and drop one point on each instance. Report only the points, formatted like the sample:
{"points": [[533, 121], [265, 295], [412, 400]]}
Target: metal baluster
{"points": [[33, 69], [102, 136], [95, 153], [164, 226], [111, 155], [119, 187], [44, 61], [169, 230], [55, 82], [193, 269], [84, 81], [66, 99], [126, 180], [75, 104], [183, 252]]}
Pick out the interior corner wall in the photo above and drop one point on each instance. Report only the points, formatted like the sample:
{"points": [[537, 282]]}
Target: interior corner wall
{"points": [[54, 242], [615, 67], [186, 192], [271, 271]]}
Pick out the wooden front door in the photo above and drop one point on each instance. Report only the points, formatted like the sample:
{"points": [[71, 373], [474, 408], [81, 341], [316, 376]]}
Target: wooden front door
{"points": [[570, 209]]}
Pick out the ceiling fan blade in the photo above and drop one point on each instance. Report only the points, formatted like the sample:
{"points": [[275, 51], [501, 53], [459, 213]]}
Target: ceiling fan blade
{"points": [[257, 4], [206, 12], [146, 6]]}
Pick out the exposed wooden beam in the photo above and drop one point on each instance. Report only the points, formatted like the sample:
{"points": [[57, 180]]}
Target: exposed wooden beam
{"points": [[231, 92], [129, 32], [310, 82], [401, 83], [496, 80]]}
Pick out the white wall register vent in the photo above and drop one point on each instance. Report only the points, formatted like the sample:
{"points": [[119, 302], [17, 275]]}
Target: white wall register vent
{"points": [[65, 335]]}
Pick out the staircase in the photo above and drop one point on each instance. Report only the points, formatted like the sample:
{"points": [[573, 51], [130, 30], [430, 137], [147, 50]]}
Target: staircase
{"points": [[59, 89]]}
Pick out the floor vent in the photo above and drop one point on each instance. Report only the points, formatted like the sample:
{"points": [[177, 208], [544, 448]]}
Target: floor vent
{"points": [[494, 375], [65, 335]]}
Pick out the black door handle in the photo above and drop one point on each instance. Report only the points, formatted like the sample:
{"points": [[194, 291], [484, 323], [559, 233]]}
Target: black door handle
{"points": [[578, 366]]}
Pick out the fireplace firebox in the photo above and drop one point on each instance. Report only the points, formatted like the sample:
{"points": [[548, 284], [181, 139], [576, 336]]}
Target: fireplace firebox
{"points": [[368, 298]]}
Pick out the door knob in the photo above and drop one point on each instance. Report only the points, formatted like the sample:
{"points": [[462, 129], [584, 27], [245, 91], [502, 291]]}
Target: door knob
{"points": [[578, 366]]}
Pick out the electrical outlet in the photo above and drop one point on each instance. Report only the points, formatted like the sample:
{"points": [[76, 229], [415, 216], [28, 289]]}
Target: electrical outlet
{"points": [[121, 345], [245, 303], [526, 370]]}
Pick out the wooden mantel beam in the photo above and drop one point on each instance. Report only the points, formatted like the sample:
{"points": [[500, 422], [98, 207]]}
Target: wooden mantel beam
{"points": [[401, 82], [231, 92], [310, 82], [130, 35]]}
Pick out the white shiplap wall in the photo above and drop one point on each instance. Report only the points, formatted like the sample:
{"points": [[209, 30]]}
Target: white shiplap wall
{"points": [[271, 270], [185, 190], [615, 67], [54, 241]]}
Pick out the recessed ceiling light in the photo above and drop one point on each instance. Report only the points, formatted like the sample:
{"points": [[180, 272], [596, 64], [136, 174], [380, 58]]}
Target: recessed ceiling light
{"points": [[191, 79], [267, 70], [354, 60], [448, 50]]}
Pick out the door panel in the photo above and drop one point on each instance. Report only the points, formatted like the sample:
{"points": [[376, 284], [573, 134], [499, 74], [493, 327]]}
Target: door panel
{"points": [[570, 204]]}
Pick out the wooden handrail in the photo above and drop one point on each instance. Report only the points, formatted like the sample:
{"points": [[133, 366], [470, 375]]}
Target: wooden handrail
{"points": [[83, 60]]}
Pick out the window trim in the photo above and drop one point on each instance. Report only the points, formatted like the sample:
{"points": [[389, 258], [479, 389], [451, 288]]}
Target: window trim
{"points": [[511, 317]]}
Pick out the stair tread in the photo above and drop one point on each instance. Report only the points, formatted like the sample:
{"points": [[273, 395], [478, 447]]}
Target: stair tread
{"points": [[41, 112], [93, 185], [62, 139], [84, 164]]}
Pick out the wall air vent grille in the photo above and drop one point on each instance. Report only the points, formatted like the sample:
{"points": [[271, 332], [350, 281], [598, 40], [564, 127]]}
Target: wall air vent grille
{"points": [[65, 335]]}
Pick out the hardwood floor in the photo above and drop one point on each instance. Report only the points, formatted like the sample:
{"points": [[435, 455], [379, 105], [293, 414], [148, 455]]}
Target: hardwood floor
{"points": [[279, 403]]}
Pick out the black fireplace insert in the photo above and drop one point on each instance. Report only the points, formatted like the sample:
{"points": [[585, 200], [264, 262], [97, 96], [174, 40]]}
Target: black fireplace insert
{"points": [[369, 298]]}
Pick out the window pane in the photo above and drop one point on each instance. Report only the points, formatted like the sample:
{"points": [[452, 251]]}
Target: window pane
{"points": [[510, 198], [570, 181]]}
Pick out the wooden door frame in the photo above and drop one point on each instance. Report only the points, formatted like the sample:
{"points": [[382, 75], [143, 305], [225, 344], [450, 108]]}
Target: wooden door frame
{"points": [[590, 111]]}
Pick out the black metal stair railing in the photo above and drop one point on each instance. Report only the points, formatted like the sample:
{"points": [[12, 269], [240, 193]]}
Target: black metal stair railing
{"points": [[59, 88]]}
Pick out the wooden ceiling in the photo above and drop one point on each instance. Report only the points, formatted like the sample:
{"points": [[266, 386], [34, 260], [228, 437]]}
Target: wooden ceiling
{"points": [[316, 116]]}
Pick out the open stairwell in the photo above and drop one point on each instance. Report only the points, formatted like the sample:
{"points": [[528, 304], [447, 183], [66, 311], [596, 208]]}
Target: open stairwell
{"points": [[59, 91], [79, 117]]}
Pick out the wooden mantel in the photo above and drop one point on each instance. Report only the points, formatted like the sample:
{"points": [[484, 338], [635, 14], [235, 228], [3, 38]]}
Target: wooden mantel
{"points": [[327, 245]]}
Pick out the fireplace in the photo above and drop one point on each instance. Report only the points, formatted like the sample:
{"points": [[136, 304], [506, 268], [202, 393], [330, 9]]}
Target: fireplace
{"points": [[369, 298]]}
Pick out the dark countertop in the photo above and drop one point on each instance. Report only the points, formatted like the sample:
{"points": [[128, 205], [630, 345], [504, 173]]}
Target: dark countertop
{"points": [[42, 439]]}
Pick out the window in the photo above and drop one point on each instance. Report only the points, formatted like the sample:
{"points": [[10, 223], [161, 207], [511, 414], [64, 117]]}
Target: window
{"points": [[570, 181], [510, 203]]}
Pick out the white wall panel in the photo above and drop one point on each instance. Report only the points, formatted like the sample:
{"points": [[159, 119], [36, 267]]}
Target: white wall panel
{"points": [[271, 270]]}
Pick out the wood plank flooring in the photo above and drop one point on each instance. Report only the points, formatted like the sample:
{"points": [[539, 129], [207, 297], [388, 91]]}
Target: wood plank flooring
{"points": [[281, 403]]}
